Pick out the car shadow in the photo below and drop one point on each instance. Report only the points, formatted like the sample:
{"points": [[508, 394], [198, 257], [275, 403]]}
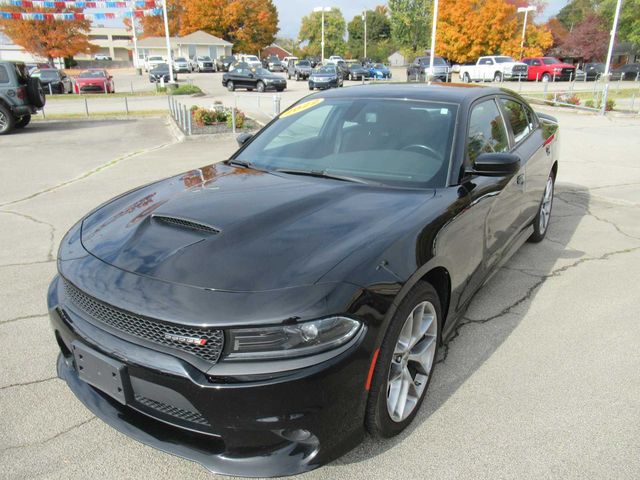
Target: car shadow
{"points": [[500, 305], [58, 125]]}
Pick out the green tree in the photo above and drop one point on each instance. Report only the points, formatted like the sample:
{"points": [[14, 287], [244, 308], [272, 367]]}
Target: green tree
{"points": [[629, 22], [575, 12], [334, 29], [378, 35], [411, 23]]}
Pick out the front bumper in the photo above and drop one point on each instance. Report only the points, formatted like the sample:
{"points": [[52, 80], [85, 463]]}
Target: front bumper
{"points": [[321, 85], [518, 75], [89, 88], [263, 426]]}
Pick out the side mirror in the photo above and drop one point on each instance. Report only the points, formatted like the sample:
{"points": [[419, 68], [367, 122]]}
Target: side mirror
{"points": [[496, 164], [242, 138]]}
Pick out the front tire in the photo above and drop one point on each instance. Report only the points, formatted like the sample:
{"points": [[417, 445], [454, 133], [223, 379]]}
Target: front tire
{"points": [[466, 78], [260, 87], [546, 77], [497, 77], [230, 86], [405, 362], [543, 217]]}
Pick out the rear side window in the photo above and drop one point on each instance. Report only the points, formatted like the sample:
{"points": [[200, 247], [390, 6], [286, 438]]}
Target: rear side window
{"points": [[4, 75], [487, 131], [517, 118]]}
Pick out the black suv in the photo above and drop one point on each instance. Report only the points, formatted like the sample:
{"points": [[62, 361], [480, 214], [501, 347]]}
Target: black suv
{"points": [[20, 96]]}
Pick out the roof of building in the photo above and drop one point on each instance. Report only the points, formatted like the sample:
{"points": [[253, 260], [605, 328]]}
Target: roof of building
{"points": [[195, 38]]}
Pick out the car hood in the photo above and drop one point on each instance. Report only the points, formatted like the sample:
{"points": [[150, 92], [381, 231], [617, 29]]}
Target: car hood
{"points": [[324, 75], [97, 81], [270, 77], [235, 229]]}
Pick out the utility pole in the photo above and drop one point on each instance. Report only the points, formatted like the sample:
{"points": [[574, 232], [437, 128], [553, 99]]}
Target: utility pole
{"points": [[364, 19], [607, 67], [136, 58], [526, 10]]}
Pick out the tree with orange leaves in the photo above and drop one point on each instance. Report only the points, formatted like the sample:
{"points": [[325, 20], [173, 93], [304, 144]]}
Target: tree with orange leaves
{"points": [[249, 24], [468, 29], [153, 25], [48, 38]]}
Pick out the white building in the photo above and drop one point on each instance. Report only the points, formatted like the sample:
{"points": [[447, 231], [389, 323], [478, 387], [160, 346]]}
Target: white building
{"points": [[115, 42], [396, 59], [11, 51], [196, 43]]}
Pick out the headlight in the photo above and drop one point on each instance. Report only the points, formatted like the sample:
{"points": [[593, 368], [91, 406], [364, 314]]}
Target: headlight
{"points": [[286, 341], [557, 69]]}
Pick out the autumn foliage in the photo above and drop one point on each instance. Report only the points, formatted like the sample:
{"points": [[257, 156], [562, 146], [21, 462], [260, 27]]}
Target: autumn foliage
{"points": [[48, 38], [153, 25], [468, 29]]}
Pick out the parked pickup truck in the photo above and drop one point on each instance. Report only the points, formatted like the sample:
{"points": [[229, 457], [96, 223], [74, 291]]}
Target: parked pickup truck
{"points": [[494, 67], [549, 69]]}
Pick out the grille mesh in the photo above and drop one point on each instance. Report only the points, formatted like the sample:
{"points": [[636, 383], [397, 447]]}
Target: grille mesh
{"points": [[186, 224], [148, 329], [185, 415]]}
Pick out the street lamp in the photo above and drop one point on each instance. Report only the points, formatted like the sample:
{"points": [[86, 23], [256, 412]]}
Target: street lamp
{"points": [[607, 73], [434, 23], [322, 9], [526, 10], [168, 41], [364, 19]]}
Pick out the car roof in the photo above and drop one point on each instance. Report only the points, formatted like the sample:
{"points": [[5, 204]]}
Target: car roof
{"points": [[449, 93]]}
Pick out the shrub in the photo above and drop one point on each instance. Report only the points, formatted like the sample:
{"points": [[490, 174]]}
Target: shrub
{"points": [[202, 116], [187, 89], [589, 103], [611, 103], [573, 100], [240, 118]]}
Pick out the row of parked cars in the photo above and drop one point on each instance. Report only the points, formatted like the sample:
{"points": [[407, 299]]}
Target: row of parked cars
{"points": [[92, 80]]}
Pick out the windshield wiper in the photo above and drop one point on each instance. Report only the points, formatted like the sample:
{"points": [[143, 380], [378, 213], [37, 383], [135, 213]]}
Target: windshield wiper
{"points": [[320, 174], [242, 163]]}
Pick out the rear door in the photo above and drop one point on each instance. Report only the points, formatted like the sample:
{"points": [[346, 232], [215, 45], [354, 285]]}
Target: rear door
{"points": [[484, 69]]}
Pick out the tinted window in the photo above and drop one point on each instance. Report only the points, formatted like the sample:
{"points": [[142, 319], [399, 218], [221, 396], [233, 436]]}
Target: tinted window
{"points": [[402, 143], [4, 75], [487, 131], [92, 74], [517, 117], [550, 60], [486, 61]]}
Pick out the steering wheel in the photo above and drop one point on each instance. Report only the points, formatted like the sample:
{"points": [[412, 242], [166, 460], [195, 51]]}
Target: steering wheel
{"points": [[418, 147]]}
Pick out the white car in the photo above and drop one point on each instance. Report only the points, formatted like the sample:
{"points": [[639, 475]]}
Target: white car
{"points": [[335, 59], [181, 65], [153, 61], [285, 60], [494, 68], [251, 60], [101, 56]]}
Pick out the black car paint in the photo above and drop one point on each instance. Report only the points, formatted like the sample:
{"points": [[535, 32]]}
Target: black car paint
{"points": [[161, 72], [258, 271], [322, 80]]}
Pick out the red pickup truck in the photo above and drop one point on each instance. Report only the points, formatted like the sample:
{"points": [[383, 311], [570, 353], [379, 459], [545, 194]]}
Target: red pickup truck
{"points": [[549, 69]]}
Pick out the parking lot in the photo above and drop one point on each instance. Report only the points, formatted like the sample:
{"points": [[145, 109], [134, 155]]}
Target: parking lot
{"points": [[539, 381]]}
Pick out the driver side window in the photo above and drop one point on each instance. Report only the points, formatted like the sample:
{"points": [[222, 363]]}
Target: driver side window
{"points": [[487, 132]]}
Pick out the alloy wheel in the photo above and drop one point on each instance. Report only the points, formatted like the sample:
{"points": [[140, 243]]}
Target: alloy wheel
{"points": [[4, 121], [412, 361], [545, 206]]}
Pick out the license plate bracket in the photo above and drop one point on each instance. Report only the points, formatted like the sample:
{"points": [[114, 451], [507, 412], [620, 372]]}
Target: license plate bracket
{"points": [[104, 373]]}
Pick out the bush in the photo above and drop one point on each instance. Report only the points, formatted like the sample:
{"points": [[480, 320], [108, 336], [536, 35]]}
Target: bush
{"points": [[240, 118], [573, 100], [187, 89], [611, 103], [205, 116], [590, 104]]}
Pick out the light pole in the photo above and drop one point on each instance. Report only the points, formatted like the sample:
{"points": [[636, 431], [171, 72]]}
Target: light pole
{"points": [[607, 73], [136, 59], [526, 10], [166, 35], [322, 9], [364, 19], [434, 24]]}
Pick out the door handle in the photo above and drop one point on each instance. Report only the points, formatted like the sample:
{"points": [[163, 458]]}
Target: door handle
{"points": [[548, 149], [520, 179]]}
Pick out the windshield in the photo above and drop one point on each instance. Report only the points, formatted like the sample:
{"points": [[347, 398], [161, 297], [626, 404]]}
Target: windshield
{"points": [[261, 71], [251, 58], [504, 59], [326, 69], [436, 61], [92, 74], [162, 66], [391, 142], [204, 59], [155, 59], [304, 63], [550, 60], [378, 66], [180, 59], [45, 74]]}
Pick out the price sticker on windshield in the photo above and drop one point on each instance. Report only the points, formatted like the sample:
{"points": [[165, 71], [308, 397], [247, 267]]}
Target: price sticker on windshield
{"points": [[302, 107]]}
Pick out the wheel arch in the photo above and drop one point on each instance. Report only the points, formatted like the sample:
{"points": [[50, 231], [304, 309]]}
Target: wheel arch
{"points": [[554, 169]]}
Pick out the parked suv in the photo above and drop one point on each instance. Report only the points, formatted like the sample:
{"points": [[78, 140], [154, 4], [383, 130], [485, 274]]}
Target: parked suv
{"points": [[299, 69], [201, 63], [20, 96], [420, 67]]}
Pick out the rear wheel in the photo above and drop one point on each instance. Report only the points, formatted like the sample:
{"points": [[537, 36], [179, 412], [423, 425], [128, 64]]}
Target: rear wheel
{"points": [[497, 77], [230, 86], [260, 86], [546, 77], [466, 78], [7, 121], [23, 121], [542, 218], [405, 362]]}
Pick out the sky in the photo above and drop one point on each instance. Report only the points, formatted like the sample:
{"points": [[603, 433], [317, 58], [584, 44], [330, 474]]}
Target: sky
{"points": [[290, 12]]}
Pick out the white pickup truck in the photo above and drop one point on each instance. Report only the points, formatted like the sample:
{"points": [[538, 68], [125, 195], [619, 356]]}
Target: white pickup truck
{"points": [[494, 67]]}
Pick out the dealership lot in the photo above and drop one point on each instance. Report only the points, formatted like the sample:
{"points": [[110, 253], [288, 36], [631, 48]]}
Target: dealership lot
{"points": [[541, 379]]}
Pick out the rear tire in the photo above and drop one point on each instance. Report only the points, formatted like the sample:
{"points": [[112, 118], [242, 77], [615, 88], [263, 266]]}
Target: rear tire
{"points": [[497, 77], [230, 86], [7, 121], [543, 217], [546, 77], [260, 87], [466, 78], [400, 347], [23, 121]]}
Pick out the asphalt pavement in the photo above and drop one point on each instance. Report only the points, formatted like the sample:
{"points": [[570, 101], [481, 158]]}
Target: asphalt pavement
{"points": [[541, 379]]}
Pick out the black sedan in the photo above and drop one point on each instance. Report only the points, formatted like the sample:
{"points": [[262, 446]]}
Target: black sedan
{"points": [[327, 76], [258, 315], [54, 80], [161, 72], [593, 71], [356, 71], [628, 72], [260, 79]]}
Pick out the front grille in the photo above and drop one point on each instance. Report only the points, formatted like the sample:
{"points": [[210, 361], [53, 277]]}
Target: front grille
{"points": [[179, 413], [148, 329], [181, 222], [520, 68]]}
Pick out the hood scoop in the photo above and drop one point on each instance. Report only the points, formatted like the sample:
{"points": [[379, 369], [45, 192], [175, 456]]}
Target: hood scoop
{"points": [[185, 224]]}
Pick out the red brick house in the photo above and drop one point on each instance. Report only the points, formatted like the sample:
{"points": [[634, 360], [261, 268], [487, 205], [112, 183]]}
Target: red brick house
{"points": [[276, 50]]}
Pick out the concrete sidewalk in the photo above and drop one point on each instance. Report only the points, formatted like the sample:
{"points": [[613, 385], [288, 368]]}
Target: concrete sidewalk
{"points": [[541, 380]]}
